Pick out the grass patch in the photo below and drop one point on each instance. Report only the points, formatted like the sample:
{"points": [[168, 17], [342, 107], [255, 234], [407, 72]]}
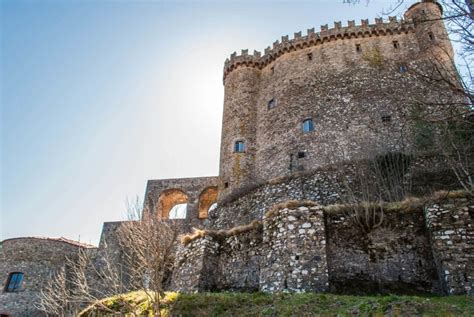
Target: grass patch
{"points": [[305, 304]]}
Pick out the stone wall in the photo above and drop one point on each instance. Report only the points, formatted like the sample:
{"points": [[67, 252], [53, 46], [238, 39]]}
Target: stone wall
{"points": [[191, 189], [38, 259], [452, 236], [395, 257], [323, 186], [294, 251], [195, 266], [239, 262], [318, 248]]}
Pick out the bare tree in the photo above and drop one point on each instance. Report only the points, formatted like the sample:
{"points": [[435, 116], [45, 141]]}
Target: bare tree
{"points": [[140, 259], [372, 182], [148, 245], [85, 279], [55, 296], [442, 117]]}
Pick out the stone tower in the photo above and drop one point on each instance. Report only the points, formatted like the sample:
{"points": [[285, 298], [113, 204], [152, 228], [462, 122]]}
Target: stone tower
{"points": [[429, 28], [324, 97], [237, 165]]}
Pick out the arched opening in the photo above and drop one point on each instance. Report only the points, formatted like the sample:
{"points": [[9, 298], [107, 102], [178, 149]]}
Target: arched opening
{"points": [[207, 201], [172, 204], [178, 211]]}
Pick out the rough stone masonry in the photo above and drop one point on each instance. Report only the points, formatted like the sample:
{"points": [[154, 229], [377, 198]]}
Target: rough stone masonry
{"points": [[296, 121]]}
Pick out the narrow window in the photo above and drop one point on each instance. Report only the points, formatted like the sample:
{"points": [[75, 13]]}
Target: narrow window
{"points": [[301, 154], [358, 48], [310, 56], [14, 282], [226, 185], [272, 70], [431, 36], [308, 125], [239, 147], [396, 45], [403, 68], [271, 104]]}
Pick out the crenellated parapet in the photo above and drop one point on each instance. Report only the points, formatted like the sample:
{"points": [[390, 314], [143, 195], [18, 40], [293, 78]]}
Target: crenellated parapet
{"points": [[312, 38]]}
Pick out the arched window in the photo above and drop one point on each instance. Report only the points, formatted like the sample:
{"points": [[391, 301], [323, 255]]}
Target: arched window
{"points": [[239, 147], [14, 282], [207, 199], [308, 125], [172, 204], [178, 211]]}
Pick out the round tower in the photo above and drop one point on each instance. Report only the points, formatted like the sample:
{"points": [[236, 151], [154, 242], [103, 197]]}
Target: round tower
{"points": [[237, 159], [429, 28]]}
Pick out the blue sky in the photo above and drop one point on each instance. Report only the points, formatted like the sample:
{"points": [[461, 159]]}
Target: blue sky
{"points": [[97, 97]]}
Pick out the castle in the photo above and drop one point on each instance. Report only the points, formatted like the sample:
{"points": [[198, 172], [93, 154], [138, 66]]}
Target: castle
{"points": [[292, 117]]}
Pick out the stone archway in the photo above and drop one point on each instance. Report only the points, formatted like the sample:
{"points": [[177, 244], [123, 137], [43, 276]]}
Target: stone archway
{"points": [[168, 199], [207, 198]]}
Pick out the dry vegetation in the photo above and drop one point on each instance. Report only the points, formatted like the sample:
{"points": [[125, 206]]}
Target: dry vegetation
{"points": [[220, 234], [408, 204], [145, 258], [273, 211]]}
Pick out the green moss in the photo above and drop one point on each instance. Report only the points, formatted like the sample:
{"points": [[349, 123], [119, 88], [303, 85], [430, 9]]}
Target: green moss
{"points": [[374, 57], [304, 304]]}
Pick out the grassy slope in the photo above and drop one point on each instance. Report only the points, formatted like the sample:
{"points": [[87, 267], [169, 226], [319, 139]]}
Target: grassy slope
{"points": [[307, 304]]}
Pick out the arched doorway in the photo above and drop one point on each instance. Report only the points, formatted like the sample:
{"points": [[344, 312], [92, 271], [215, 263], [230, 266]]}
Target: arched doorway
{"points": [[207, 200], [172, 204]]}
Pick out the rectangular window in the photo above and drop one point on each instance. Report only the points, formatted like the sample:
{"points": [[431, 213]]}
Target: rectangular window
{"points": [[386, 119], [431, 36], [403, 68], [272, 70], [358, 48], [14, 282], [310, 56], [226, 185], [271, 104], [301, 154], [395, 44], [308, 125], [239, 147]]}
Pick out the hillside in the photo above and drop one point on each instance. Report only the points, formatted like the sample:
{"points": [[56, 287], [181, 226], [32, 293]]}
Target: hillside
{"points": [[303, 304]]}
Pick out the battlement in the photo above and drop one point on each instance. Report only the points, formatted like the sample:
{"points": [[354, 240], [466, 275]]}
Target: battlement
{"points": [[312, 38]]}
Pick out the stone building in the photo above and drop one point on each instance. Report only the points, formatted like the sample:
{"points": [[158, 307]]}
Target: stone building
{"points": [[315, 100], [26, 265], [325, 97], [295, 119]]}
